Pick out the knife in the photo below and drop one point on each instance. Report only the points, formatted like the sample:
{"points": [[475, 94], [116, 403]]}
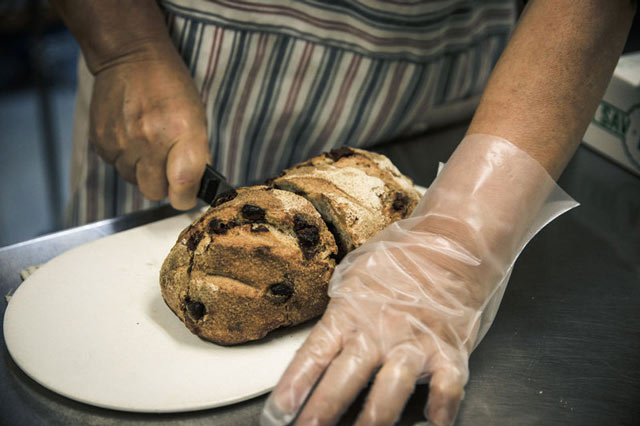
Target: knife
{"points": [[213, 185]]}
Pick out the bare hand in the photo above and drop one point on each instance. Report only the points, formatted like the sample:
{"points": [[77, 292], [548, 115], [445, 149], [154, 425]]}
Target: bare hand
{"points": [[148, 120]]}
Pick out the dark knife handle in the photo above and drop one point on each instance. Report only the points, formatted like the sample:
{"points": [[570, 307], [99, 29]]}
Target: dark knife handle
{"points": [[212, 185]]}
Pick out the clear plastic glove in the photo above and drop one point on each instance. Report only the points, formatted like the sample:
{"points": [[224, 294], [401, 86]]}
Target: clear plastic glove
{"points": [[148, 120], [411, 304]]}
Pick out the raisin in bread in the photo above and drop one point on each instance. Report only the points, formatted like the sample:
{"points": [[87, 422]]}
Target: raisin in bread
{"points": [[357, 192], [251, 264]]}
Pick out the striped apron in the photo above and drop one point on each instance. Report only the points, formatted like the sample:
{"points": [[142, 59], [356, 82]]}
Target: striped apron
{"points": [[284, 80]]}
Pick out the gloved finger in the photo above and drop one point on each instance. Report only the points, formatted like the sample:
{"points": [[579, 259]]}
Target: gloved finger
{"points": [[446, 390], [186, 162], [392, 387], [152, 178], [341, 383], [125, 164], [322, 345]]}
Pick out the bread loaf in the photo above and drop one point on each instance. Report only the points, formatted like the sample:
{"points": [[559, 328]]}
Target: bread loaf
{"points": [[357, 192], [261, 258], [250, 265]]}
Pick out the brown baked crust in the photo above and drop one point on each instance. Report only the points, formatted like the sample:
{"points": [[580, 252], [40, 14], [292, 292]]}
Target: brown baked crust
{"points": [[250, 265], [357, 192]]}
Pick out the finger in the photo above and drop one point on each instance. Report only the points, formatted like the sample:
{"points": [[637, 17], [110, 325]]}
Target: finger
{"points": [[109, 151], [301, 375], [341, 383], [185, 166], [446, 390], [125, 164], [102, 135], [152, 178], [392, 387]]}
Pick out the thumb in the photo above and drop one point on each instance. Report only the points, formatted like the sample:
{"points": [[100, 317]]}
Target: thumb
{"points": [[186, 162]]}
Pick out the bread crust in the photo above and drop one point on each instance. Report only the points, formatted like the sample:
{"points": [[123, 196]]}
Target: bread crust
{"points": [[357, 192], [240, 272]]}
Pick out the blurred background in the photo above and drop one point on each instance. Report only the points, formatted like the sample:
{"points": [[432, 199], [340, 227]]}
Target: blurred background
{"points": [[37, 88]]}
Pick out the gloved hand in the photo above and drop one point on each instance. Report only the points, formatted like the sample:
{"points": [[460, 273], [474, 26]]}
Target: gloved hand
{"points": [[416, 299], [148, 120]]}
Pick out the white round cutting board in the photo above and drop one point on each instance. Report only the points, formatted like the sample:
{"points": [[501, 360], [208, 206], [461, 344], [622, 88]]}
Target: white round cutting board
{"points": [[91, 325]]}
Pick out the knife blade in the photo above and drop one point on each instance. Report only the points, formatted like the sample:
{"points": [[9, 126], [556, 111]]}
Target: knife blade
{"points": [[213, 185]]}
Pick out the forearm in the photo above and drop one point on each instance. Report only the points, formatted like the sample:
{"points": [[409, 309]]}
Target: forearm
{"points": [[540, 97], [112, 31], [548, 82]]}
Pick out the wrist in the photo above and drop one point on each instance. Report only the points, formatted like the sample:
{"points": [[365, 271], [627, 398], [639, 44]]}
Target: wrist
{"points": [[112, 32], [491, 198], [143, 49]]}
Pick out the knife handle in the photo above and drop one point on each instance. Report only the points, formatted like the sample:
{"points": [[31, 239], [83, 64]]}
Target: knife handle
{"points": [[212, 184]]}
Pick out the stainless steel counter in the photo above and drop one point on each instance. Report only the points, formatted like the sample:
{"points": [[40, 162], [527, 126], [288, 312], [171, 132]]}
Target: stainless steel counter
{"points": [[564, 348]]}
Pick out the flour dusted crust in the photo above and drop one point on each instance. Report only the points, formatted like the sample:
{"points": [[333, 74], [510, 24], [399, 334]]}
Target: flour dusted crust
{"points": [[261, 258], [250, 265], [357, 192]]}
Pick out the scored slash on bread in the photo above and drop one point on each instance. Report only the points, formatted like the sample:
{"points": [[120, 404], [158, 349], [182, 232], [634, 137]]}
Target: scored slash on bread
{"points": [[261, 258]]}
